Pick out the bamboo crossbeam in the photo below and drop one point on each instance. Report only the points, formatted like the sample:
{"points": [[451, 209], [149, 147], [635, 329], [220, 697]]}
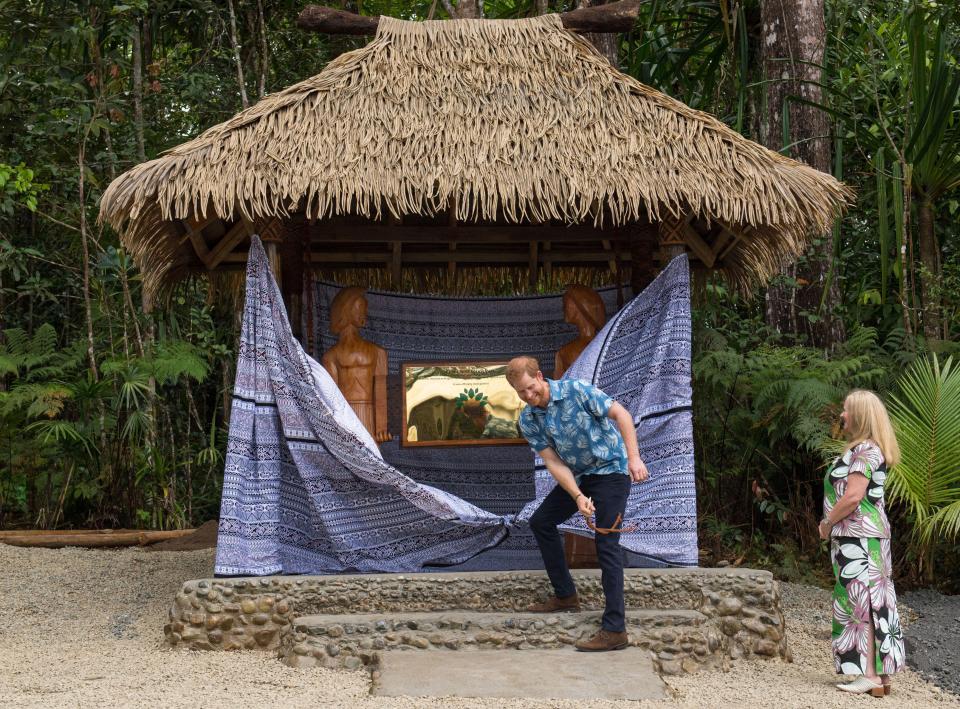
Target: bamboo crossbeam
{"points": [[354, 232], [360, 258]]}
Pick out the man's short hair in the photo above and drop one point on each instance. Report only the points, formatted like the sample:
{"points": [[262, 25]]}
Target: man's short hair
{"points": [[518, 366]]}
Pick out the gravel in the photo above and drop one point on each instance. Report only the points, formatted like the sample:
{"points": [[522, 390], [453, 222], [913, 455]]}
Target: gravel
{"points": [[933, 645], [84, 628]]}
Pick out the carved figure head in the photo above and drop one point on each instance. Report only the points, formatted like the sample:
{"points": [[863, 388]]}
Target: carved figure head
{"points": [[584, 308], [349, 307]]}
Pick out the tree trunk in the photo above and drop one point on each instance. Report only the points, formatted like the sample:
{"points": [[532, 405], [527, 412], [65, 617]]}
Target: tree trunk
{"points": [[607, 43], [264, 51], [87, 303], [793, 36], [151, 399], [236, 54], [137, 50], [468, 10], [929, 275]]}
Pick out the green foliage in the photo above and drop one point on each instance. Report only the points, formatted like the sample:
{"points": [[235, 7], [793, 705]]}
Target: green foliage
{"points": [[926, 416], [17, 187], [141, 440], [697, 51], [765, 425]]}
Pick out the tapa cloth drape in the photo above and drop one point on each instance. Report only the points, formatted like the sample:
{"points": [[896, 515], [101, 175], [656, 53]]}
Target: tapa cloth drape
{"points": [[307, 491]]}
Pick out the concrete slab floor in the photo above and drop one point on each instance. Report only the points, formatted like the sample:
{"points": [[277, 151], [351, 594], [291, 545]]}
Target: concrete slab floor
{"points": [[535, 674]]}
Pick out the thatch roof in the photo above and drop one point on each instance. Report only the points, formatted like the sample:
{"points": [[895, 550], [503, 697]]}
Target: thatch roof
{"points": [[517, 120]]}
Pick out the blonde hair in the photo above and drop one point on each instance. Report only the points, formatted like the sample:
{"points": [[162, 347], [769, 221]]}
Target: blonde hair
{"points": [[867, 419], [518, 366]]}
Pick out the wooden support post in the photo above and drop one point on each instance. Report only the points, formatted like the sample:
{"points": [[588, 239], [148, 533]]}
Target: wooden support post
{"points": [[271, 234], [273, 258], [672, 241], [534, 265], [643, 246], [452, 223], [608, 247], [548, 265], [310, 295], [619, 275], [396, 265]]}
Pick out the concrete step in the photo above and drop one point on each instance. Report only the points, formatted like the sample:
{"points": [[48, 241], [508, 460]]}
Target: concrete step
{"points": [[609, 676], [673, 637]]}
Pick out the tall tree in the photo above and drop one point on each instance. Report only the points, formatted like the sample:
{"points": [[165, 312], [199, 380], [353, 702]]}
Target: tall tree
{"points": [[235, 44], [607, 43], [933, 131], [792, 40]]}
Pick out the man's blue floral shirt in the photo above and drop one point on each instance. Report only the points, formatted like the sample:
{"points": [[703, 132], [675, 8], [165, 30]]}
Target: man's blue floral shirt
{"points": [[575, 425]]}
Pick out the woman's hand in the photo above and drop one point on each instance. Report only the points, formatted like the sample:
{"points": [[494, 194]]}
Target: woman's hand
{"points": [[824, 529]]}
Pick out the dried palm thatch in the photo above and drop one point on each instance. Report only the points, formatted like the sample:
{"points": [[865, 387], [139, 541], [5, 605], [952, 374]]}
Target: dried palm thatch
{"points": [[516, 120], [470, 281]]}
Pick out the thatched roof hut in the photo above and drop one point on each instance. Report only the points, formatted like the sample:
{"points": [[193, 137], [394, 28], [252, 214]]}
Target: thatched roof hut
{"points": [[472, 122]]}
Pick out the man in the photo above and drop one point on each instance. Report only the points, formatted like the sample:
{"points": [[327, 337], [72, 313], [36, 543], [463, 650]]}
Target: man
{"points": [[589, 444]]}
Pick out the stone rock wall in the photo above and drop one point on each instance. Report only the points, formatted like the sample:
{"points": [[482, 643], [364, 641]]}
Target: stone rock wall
{"points": [[211, 614], [681, 639], [741, 607]]}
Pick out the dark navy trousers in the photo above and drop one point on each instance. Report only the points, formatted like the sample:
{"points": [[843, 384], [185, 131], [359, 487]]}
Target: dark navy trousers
{"points": [[609, 493]]}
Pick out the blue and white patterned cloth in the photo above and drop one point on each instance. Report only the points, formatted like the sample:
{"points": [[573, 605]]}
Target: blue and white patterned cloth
{"points": [[306, 491], [642, 358], [575, 425]]}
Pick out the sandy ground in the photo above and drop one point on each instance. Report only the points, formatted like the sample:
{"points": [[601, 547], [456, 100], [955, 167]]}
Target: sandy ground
{"points": [[82, 628]]}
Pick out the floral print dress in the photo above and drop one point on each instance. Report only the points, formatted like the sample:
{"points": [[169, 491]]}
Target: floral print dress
{"points": [[863, 594]]}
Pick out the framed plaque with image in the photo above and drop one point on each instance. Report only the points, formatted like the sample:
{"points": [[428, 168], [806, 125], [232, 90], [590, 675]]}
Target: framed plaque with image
{"points": [[459, 404]]}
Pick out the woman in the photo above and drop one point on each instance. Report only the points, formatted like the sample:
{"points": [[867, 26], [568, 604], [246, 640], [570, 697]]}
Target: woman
{"points": [[867, 640]]}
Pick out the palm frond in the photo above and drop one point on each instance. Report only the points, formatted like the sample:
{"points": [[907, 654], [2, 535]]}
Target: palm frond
{"points": [[926, 417], [179, 359], [62, 432]]}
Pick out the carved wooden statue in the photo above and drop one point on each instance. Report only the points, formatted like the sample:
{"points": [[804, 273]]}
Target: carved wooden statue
{"points": [[358, 366], [583, 308]]}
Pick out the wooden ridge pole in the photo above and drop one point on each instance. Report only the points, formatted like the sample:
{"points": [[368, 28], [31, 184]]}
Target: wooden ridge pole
{"points": [[614, 17]]}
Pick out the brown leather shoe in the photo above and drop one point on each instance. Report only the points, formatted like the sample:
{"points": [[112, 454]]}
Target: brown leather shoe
{"points": [[570, 604], [604, 640]]}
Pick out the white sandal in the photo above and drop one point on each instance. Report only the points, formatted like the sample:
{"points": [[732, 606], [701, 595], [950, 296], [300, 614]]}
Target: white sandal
{"points": [[862, 685]]}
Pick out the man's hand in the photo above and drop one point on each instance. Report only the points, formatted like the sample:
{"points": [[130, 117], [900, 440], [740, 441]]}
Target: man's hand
{"points": [[638, 470], [624, 421], [585, 505]]}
